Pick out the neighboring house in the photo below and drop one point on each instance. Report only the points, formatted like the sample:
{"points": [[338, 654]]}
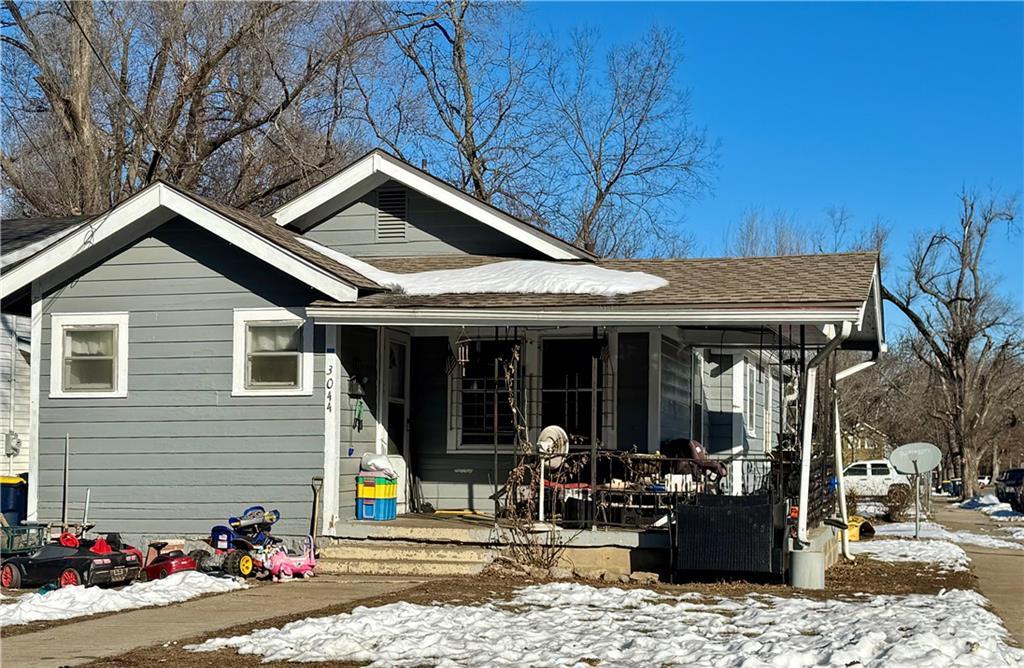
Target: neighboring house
{"points": [[862, 442], [20, 238], [200, 359]]}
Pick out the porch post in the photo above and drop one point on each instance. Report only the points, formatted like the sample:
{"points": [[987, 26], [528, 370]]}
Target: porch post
{"points": [[332, 424]]}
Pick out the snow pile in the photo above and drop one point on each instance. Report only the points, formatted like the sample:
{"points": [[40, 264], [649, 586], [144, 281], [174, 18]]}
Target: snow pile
{"points": [[1017, 533], [939, 532], [871, 509], [80, 601], [570, 624], [945, 555], [993, 507], [511, 277]]}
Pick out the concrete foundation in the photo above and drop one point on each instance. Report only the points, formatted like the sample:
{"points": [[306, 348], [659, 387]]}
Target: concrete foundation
{"points": [[807, 565]]}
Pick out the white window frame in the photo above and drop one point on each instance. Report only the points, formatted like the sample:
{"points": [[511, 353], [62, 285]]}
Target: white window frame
{"points": [[769, 431], [750, 398], [270, 316], [60, 321]]}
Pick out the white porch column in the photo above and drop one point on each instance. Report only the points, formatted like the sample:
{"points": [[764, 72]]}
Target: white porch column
{"points": [[332, 426]]}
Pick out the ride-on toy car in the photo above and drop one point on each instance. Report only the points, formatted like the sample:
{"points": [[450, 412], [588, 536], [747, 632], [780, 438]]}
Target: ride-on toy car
{"points": [[242, 547], [73, 561], [162, 564], [283, 566]]}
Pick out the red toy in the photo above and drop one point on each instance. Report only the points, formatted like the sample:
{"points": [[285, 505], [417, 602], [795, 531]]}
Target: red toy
{"points": [[163, 564]]}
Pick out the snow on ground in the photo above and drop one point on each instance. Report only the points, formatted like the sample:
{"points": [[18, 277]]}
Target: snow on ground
{"points": [[937, 531], [566, 624], [944, 554], [512, 277], [80, 601], [1017, 533], [993, 507], [871, 509]]}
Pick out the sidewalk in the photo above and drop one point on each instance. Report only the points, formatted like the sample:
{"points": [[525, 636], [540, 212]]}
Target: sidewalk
{"points": [[76, 643], [1000, 572]]}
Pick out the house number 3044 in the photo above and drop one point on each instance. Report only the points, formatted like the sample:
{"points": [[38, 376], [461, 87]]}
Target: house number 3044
{"points": [[329, 387]]}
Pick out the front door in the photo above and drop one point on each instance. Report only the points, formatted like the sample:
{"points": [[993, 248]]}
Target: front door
{"points": [[396, 392]]}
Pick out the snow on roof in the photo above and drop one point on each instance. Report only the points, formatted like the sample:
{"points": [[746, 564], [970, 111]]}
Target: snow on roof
{"points": [[509, 277]]}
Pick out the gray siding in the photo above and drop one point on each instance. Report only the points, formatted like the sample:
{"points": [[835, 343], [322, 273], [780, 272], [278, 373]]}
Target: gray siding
{"points": [[432, 229], [357, 350], [722, 419], [447, 481], [179, 453], [676, 392], [14, 384]]}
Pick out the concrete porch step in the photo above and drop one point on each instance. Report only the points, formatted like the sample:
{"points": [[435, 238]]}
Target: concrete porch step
{"points": [[387, 550], [419, 567], [391, 557]]}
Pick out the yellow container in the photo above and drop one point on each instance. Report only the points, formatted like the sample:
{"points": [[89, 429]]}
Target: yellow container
{"points": [[376, 488]]}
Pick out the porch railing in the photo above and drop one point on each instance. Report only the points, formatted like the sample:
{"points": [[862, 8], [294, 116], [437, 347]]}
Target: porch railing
{"points": [[631, 490]]}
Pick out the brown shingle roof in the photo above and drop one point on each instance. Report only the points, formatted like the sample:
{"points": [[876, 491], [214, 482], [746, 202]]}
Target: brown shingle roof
{"points": [[797, 280], [286, 239]]}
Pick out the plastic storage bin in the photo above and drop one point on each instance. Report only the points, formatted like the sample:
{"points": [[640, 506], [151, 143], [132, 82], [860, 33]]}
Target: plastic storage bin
{"points": [[376, 509], [376, 497]]}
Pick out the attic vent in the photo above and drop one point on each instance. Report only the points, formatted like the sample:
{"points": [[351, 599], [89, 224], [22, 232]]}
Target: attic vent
{"points": [[391, 210]]}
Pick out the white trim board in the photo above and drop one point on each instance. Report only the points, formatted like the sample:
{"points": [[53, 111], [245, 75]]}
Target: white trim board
{"points": [[163, 203], [490, 317], [379, 164]]}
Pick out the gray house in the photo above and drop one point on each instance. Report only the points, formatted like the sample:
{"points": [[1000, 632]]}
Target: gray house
{"points": [[20, 238], [199, 359]]}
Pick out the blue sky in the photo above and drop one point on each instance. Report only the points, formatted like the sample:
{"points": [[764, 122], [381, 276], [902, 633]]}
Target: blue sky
{"points": [[888, 109]]}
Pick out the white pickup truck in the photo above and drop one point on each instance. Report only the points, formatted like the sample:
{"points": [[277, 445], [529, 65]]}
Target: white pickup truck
{"points": [[872, 478]]}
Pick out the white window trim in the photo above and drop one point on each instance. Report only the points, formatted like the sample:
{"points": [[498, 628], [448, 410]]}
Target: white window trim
{"points": [[58, 321], [750, 398], [243, 317]]}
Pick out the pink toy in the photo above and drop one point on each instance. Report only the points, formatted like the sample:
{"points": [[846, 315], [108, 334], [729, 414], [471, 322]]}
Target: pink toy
{"points": [[283, 567]]}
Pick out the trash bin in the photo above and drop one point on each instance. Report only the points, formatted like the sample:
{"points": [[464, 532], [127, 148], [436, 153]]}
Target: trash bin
{"points": [[14, 499]]}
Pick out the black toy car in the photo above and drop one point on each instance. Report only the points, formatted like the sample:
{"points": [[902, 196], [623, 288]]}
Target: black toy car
{"points": [[73, 561]]}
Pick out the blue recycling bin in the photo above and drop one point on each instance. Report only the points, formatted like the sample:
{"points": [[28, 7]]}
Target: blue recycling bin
{"points": [[14, 499]]}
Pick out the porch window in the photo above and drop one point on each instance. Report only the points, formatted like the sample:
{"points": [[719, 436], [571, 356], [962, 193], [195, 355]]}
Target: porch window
{"points": [[567, 388], [755, 380], [90, 355], [481, 401], [272, 353], [697, 389]]}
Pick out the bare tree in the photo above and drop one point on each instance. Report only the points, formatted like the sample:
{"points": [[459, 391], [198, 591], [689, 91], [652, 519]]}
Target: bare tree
{"points": [[782, 233], [244, 101], [456, 91], [967, 336], [627, 145]]}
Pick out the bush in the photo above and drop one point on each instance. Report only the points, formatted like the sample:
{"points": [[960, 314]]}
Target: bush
{"points": [[897, 502], [851, 504]]}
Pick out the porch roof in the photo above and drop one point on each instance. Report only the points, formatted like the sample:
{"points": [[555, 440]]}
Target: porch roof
{"points": [[812, 289]]}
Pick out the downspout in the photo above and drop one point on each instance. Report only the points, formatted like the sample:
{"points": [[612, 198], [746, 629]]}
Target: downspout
{"points": [[808, 424], [840, 481]]}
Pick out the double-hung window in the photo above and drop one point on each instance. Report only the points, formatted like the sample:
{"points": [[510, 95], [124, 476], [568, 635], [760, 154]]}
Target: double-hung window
{"points": [[272, 353], [89, 355], [483, 415]]}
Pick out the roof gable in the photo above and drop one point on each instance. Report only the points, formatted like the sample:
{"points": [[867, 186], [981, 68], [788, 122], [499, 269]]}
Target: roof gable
{"points": [[160, 202], [379, 167]]}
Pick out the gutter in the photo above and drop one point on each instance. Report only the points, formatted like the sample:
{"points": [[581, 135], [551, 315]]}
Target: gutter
{"points": [[840, 481], [808, 424]]}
